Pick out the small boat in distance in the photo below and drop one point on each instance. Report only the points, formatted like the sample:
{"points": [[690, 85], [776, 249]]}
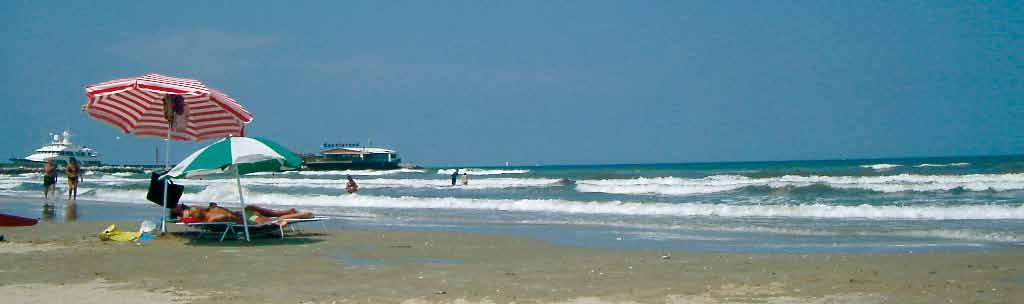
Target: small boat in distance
{"points": [[60, 149], [351, 156]]}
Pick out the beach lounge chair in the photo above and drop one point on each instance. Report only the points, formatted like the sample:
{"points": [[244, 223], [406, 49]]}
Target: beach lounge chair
{"points": [[273, 227]]}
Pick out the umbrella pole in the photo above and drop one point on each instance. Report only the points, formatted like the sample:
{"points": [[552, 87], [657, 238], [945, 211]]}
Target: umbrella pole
{"points": [[245, 220], [167, 164]]}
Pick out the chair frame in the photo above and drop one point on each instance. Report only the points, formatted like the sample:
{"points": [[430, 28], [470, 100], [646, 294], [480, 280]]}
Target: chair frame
{"points": [[230, 227]]}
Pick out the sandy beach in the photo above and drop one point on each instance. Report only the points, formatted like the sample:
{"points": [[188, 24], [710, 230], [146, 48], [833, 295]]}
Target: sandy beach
{"points": [[584, 152], [66, 263]]}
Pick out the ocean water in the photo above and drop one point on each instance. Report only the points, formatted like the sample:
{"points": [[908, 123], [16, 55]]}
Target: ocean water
{"points": [[882, 205]]}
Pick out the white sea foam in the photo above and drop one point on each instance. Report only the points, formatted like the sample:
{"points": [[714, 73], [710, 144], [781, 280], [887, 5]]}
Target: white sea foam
{"points": [[362, 172], [944, 165], [666, 185], [226, 193], [474, 184], [881, 167], [114, 180], [476, 171], [732, 227], [380, 183], [965, 234], [672, 231], [100, 179], [723, 183], [344, 172], [671, 236], [10, 184]]}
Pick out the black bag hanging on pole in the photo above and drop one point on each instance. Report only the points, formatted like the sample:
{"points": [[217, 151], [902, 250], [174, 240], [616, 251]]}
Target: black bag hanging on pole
{"points": [[156, 191]]}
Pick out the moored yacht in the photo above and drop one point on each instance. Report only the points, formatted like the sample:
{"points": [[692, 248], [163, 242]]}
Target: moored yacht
{"points": [[60, 149], [352, 156]]}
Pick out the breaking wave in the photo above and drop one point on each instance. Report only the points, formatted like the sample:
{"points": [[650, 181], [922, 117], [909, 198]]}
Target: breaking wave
{"points": [[887, 184], [343, 172], [483, 183], [379, 183], [475, 171], [226, 193], [10, 184], [881, 167], [943, 165], [321, 183]]}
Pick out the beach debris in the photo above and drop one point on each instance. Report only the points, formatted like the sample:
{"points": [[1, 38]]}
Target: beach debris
{"points": [[112, 233], [147, 226], [666, 256], [440, 292], [146, 237]]}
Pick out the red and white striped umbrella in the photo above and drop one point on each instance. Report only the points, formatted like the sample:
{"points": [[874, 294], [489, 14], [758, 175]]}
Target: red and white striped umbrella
{"points": [[136, 106]]}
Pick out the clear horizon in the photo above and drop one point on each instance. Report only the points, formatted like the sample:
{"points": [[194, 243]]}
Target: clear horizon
{"points": [[602, 82], [487, 165]]}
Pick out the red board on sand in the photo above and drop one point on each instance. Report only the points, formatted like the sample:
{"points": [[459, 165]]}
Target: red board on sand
{"points": [[7, 220]]}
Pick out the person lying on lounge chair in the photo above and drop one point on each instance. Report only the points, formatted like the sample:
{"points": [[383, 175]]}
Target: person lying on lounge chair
{"points": [[256, 214]]}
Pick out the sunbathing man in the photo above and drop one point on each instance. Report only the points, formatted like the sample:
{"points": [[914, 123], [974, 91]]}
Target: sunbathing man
{"points": [[257, 215]]}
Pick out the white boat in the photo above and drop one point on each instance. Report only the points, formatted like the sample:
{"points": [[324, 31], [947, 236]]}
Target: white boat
{"points": [[60, 149]]}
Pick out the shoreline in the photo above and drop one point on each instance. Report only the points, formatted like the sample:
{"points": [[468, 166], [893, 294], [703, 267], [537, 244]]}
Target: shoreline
{"points": [[389, 266], [579, 234]]}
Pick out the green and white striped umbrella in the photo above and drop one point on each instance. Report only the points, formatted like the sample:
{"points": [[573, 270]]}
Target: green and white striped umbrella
{"points": [[240, 155], [246, 154]]}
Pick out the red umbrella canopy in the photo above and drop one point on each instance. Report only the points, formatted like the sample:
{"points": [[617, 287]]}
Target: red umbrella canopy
{"points": [[144, 105]]}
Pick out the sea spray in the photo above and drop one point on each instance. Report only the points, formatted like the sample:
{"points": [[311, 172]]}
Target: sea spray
{"points": [[887, 183]]}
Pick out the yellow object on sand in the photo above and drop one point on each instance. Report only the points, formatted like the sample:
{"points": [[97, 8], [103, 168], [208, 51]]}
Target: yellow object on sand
{"points": [[114, 234]]}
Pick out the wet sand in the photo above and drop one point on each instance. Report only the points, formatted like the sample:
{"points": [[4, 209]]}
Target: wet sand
{"points": [[55, 262]]}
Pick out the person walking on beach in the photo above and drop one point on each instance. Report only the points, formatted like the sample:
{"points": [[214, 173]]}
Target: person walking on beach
{"points": [[351, 187], [72, 170], [49, 180], [455, 175]]}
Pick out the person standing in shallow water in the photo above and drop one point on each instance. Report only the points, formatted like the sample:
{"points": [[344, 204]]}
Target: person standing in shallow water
{"points": [[455, 176], [74, 176], [49, 180]]}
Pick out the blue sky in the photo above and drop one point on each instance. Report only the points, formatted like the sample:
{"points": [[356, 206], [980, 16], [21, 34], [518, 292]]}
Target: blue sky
{"points": [[545, 82]]}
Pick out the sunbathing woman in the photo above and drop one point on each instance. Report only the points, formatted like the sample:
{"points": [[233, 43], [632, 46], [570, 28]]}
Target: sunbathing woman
{"points": [[257, 215]]}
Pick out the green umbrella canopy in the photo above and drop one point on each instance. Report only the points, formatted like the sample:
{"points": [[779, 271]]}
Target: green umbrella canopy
{"points": [[248, 154]]}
